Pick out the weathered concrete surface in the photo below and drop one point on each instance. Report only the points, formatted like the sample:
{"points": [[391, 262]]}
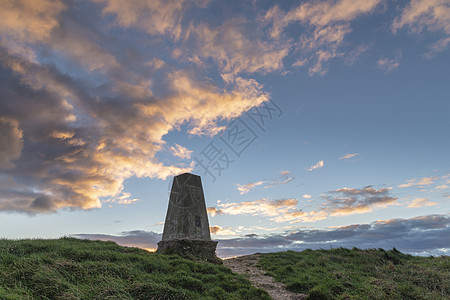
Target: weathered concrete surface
{"points": [[186, 229], [186, 215]]}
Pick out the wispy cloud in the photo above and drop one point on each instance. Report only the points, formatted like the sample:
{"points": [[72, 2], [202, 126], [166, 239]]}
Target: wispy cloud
{"points": [[421, 202], [442, 187], [284, 178], [388, 65], [329, 23], [180, 151], [341, 202], [222, 231], [421, 15], [421, 182], [317, 166], [282, 210], [245, 188], [124, 198], [212, 211], [350, 155]]}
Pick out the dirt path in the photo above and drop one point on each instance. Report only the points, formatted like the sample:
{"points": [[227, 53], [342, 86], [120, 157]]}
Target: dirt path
{"points": [[247, 265]]}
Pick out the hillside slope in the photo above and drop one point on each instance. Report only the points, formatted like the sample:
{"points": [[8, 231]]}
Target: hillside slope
{"points": [[359, 274], [69, 268]]}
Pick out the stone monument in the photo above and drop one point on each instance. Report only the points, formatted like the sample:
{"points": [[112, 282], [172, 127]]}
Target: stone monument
{"points": [[186, 229]]}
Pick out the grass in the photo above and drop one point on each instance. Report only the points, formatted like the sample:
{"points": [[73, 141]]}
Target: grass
{"points": [[70, 268], [360, 274]]}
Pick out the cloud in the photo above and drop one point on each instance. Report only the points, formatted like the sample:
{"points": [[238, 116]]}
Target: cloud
{"points": [[11, 142], [421, 202], [124, 199], [441, 187], [180, 151], [282, 210], [340, 202], [388, 65], [245, 188], [347, 156], [431, 15], [214, 211], [419, 182], [263, 207], [317, 166], [347, 201], [327, 23], [154, 17], [85, 115], [284, 178], [221, 231], [418, 235], [29, 21], [237, 47]]}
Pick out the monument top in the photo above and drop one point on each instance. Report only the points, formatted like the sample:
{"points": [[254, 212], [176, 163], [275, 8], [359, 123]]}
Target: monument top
{"points": [[186, 215], [186, 230]]}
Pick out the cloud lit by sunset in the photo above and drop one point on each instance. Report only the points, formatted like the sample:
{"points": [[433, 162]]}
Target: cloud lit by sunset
{"points": [[307, 120]]}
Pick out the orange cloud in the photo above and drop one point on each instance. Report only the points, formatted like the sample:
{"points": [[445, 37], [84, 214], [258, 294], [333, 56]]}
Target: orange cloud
{"points": [[220, 231], [330, 23], [245, 188], [116, 139], [180, 151], [432, 15], [421, 202], [317, 166], [29, 21], [283, 210], [153, 17], [236, 50], [347, 156], [419, 182]]}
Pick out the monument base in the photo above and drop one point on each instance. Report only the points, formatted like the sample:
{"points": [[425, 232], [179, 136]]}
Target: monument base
{"points": [[191, 249]]}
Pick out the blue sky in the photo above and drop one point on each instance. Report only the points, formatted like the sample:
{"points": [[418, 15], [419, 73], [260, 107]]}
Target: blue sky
{"points": [[318, 123]]}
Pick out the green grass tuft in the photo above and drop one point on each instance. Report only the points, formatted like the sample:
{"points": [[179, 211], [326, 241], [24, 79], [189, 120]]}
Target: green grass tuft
{"points": [[360, 274], [70, 268]]}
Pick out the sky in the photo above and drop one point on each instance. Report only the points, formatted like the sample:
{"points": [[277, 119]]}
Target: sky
{"points": [[313, 124]]}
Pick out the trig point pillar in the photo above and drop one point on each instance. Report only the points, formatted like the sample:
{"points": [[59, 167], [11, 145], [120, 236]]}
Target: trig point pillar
{"points": [[186, 229]]}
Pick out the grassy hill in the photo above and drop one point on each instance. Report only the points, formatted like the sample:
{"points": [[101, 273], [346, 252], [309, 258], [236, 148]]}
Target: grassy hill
{"points": [[360, 274], [70, 268]]}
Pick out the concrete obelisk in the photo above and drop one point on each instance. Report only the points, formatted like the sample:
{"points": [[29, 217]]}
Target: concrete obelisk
{"points": [[186, 229]]}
